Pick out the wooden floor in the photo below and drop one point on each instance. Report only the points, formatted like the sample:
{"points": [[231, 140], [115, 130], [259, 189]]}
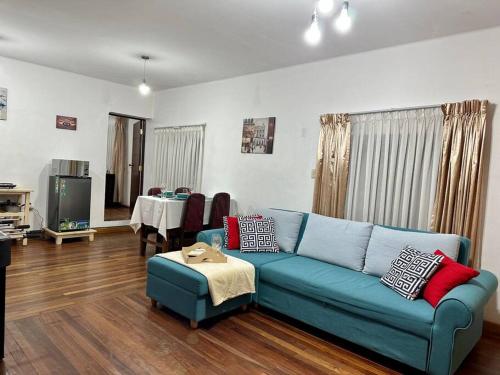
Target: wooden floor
{"points": [[117, 213], [81, 308]]}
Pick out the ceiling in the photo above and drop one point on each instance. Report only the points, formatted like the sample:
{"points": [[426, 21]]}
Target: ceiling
{"points": [[192, 41]]}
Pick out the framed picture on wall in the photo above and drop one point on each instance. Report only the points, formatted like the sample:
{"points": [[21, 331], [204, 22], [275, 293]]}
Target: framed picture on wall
{"points": [[258, 135], [3, 104], [65, 122]]}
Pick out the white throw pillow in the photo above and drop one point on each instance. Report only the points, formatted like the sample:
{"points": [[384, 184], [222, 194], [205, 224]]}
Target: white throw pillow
{"points": [[336, 241], [287, 225], [386, 244]]}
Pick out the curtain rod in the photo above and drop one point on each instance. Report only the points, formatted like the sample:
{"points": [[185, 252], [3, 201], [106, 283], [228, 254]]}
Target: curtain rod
{"points": [[394, 110], [179, 127]]}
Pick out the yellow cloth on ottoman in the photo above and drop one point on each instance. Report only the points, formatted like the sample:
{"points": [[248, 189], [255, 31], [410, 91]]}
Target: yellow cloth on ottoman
{"points": [[225, 280]]}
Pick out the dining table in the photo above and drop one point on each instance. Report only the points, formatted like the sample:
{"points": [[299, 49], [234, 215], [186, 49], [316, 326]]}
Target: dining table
{"points": [[166, 213]]}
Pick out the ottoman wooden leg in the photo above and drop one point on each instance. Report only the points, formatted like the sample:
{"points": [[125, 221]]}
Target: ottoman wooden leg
{"points": [[193, 324], [154, 302], [244, 307]]}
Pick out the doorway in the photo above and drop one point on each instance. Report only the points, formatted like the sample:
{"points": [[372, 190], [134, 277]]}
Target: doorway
{"points": [[124, 165]]}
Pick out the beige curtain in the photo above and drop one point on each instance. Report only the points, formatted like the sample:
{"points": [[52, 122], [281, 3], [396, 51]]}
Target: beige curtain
{"points": [[119, 158], [459, 186], [332, 166]]}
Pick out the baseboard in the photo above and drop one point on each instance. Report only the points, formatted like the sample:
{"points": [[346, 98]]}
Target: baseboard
{"points": [[115, 229], [491, 329]]}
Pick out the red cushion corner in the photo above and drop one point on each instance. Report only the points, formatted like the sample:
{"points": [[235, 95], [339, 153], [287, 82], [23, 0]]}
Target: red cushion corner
{"points": [[449, 275]]}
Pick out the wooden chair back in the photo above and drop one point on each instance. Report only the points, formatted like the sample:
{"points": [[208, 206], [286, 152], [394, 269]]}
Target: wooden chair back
{"points": [[219, 209], [192, 218]]}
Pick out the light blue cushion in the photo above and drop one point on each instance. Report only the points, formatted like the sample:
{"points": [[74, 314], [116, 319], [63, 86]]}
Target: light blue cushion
{"points": [[386, 244], [287, 227], [353, 291], [336, 241]]}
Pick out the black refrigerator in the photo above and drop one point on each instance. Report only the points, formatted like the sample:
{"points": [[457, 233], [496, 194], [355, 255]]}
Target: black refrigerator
{"points": [[69, 196]]}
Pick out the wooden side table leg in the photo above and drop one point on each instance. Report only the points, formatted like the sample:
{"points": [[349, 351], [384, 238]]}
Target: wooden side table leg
{"points": [[164, 244], [193, 324], [142, 244], [58, 240], [91, 237], [27, 206], [25, 241]]}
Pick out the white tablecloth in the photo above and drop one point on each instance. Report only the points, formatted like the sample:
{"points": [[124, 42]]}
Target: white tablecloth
{"points": [[165, 213]]}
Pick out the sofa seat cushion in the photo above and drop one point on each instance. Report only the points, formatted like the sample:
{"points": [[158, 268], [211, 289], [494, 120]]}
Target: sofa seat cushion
{"points": [[259, 259], [351, 290]]}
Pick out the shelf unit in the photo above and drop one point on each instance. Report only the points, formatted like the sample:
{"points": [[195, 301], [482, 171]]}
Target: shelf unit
{"points": [[23, 217]]}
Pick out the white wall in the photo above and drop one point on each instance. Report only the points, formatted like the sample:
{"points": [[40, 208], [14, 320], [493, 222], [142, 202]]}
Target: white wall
{"points": [[443, 70], [29, 138]]}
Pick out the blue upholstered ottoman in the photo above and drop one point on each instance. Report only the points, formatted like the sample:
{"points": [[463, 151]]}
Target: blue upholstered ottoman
{"points": [[185, 291]]}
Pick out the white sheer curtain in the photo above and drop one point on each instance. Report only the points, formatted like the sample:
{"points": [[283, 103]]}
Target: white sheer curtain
{"points": [[393, 168], [179, 157]]}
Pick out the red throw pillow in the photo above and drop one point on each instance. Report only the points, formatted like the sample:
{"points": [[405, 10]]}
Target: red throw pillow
{"points": [[232, 231], [449, 275]]}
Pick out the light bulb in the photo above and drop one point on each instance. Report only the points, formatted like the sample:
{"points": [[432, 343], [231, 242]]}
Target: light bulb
{"points": [[343, 21], [313, 33], [144, 89], [325, 6]]}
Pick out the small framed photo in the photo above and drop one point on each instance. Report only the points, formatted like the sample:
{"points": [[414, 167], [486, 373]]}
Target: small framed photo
{"points": [[258, 135], [65, 122]]}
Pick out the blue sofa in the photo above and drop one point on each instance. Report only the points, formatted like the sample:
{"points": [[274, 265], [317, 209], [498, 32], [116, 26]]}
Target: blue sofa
{"points": [[357, 307]]}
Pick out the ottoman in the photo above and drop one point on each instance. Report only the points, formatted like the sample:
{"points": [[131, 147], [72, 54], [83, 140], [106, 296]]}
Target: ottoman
{"points": [[185, 291]]}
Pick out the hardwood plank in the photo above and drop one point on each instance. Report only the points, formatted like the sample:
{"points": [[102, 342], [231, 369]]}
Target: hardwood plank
{"points": [[81, 309]]}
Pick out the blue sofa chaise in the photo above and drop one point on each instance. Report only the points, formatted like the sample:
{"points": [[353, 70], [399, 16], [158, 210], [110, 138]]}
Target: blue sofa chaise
{"points": [[357, 307]]}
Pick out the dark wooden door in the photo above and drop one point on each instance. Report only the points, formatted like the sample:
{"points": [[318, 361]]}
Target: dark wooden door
{"points": [[137, 165]]}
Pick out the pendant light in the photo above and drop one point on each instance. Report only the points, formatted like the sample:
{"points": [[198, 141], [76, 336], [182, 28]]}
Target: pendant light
{"points": [[144, 89], [343, 21], [313, 33]]}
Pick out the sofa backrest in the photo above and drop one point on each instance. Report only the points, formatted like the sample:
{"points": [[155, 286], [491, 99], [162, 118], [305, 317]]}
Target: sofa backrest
{"points": [[463, 252]]}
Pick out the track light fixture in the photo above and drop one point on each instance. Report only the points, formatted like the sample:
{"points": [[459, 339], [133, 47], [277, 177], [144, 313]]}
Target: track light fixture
{"points": [[342, 23]]}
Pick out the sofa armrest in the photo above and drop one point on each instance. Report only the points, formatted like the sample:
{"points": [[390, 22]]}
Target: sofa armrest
{"points": [[206, 235], [472, 295], [458, 323]]}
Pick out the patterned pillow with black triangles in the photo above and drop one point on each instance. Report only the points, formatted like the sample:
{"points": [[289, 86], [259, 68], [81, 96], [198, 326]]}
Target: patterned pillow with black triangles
{"points": [[410, 271]]}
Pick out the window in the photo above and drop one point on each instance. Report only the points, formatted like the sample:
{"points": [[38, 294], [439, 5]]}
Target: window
{"points": [[179, 157], [393, 167]]}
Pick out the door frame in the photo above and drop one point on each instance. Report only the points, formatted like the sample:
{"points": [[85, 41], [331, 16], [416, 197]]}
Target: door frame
{"points": [[143, 144]]}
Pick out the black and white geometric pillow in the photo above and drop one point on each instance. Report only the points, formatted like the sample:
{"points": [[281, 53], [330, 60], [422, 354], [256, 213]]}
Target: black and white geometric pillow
{"points": [[258, 235], [410, 271], [226, 232]]}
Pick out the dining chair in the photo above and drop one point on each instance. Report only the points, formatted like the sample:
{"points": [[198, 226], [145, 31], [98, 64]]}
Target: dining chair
{"points": [[219, 209], [192, 219], [182, 190], [160, 243], [154, 191]]}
